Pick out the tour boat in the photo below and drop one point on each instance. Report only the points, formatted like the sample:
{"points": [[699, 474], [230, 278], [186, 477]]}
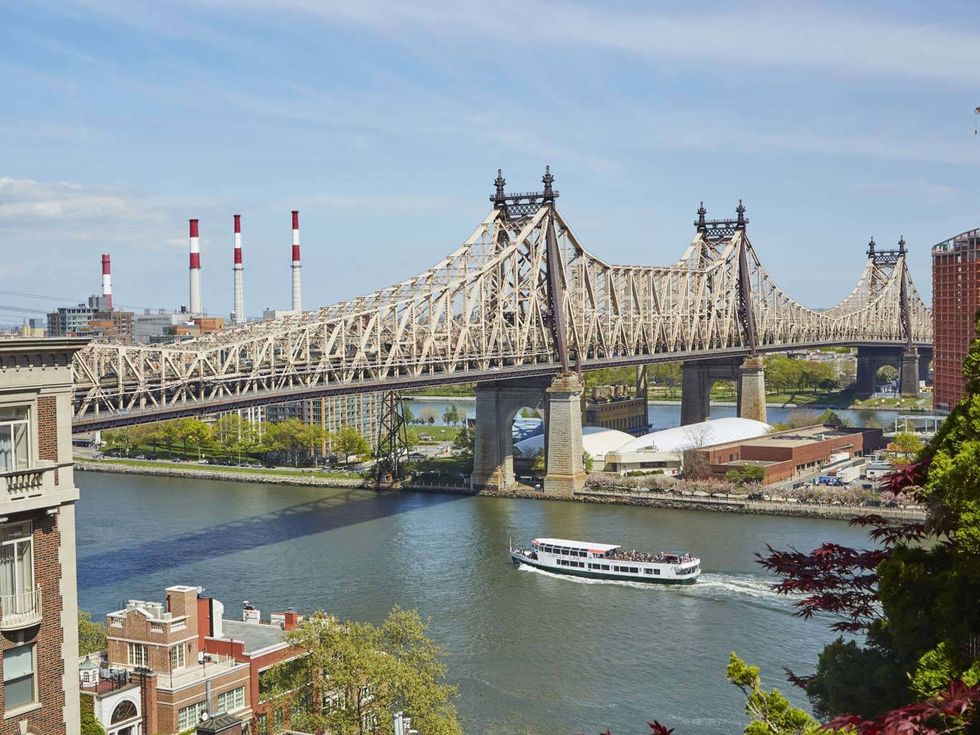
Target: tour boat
{"points": [[608, 561]]}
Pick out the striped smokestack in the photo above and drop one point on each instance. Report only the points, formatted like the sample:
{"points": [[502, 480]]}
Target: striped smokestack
{"points": [[106, 281], [238, 315], [195, 270], [296, 266]]}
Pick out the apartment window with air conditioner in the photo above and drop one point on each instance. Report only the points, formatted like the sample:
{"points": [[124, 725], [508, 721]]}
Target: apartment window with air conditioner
{"points": [[19, 677], [16, 568], [15, 439]]}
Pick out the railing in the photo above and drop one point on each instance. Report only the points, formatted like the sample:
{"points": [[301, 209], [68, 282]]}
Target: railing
{"points": [[28, 483], [20, 609], [110, 681]]}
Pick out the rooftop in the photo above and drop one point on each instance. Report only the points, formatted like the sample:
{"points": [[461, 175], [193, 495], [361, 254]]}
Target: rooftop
{"points": [[255, 636]]}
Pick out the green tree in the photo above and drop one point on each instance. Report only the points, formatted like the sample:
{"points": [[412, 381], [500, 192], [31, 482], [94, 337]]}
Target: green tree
{"points": [[587, 461], [450, 417], [407, 414], [89, 725], [771, 712], [831, 418], [356, 669], [464, 442], [193, 433], [746, 474], [91, 635], [923, 637], [348, 441], [906, 443], [887, 374]]}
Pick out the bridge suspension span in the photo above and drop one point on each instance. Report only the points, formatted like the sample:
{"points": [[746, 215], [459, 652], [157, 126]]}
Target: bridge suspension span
{"points": [[522, 297]]}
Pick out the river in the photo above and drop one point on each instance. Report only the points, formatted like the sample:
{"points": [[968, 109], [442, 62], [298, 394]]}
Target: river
{"points": [[667, 415], [533, 654]]}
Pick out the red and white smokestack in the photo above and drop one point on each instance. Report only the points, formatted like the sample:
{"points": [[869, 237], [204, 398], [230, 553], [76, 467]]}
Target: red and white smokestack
{"points": [[106, 281], [296, 266], [238, 315], [195, 270]]}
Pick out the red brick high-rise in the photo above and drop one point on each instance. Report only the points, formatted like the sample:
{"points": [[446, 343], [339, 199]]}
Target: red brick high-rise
{"points": [[955, 301]]}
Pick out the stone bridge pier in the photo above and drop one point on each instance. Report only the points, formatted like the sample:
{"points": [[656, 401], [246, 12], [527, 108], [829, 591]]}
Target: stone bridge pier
{"points": [[911, 364], [496, 406], [697, 377]]}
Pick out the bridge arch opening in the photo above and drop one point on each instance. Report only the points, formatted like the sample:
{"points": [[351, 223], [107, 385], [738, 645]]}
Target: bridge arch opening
{"points": [[527, 428]]}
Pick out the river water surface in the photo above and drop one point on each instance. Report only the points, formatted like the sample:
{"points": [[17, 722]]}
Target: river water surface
{"points": [[532, 653]]}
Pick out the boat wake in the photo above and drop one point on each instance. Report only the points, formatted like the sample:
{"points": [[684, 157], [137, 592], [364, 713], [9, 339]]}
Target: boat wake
{"points": [[710, 584]]}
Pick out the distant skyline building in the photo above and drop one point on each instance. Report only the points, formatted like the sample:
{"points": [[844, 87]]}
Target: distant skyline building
{"points": [[955, 300]]}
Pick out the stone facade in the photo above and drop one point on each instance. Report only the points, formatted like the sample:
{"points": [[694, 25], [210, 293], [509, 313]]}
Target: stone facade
{"points": [[752, 389], [565, 472], [37, 496]]}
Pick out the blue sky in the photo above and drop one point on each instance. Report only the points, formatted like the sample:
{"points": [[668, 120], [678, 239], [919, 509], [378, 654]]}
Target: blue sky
{"points": [[384, 123]]}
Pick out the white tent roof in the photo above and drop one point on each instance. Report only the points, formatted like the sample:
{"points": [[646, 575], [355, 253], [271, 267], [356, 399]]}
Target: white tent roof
{"points": [[596, 440], [704, 434]]}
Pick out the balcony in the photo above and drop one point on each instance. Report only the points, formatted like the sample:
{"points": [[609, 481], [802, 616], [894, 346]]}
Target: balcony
{"points": [[24, 484], [20, 609]]}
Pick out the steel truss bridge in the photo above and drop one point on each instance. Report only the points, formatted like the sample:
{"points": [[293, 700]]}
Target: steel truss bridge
{"points": [[521, 297]]}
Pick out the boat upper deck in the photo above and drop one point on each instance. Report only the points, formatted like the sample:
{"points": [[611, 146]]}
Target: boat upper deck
{"points": [[562, 543]]}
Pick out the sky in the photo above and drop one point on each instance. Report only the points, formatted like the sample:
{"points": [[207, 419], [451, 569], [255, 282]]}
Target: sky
{"points": [[384, 122]]}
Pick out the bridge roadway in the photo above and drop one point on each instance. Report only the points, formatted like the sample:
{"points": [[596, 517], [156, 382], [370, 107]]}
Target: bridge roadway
{"points": [[884, 353], [521, 301]]}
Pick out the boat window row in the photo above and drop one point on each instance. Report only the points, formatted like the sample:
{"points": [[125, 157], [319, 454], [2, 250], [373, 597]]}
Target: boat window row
{"points": [[628, 570], [562, 550], [599, 567], [570, 563]]}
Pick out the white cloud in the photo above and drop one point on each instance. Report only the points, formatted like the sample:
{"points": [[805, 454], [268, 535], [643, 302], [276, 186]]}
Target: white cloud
{"points": [[25, 200]]}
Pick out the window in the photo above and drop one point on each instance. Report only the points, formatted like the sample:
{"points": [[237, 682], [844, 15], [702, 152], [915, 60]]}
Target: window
{"points": [[231, 700], [136, 654], [177, 659], [18, 677], [15, 439], [125, 710], [263, 725], [17, 567], [188, 717], [370, 721]]}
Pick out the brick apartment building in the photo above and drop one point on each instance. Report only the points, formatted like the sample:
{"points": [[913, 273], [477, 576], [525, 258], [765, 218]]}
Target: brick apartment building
{"points": [[187, 660], [955, 301], [38, 599]]}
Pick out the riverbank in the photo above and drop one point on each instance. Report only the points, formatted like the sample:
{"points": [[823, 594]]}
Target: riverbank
{"points": [[229, 474], [731, 504], [727, 504]]}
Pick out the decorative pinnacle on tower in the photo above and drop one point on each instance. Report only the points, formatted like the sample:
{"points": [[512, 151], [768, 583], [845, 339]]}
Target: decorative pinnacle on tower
{"points": [[871, 248], [700, 224], [901, 245], [499, 194], [548, 180], [740, 211]]}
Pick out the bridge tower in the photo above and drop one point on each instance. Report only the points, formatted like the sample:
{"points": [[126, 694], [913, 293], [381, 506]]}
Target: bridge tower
{"points": [[881, 267], [713, 240], [498, 403]]}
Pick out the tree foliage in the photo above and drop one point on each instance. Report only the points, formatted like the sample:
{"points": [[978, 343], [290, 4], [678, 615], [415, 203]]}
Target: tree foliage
{"points": [[746, 474], [348, 441], [91, 635], [354, 671], [89, 725]]}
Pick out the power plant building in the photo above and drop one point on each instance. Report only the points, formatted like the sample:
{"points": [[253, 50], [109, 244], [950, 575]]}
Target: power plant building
{"points": [[955, 301]]}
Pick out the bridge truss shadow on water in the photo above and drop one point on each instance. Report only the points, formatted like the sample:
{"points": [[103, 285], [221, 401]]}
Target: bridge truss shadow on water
{"points": [[296, 521]]}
